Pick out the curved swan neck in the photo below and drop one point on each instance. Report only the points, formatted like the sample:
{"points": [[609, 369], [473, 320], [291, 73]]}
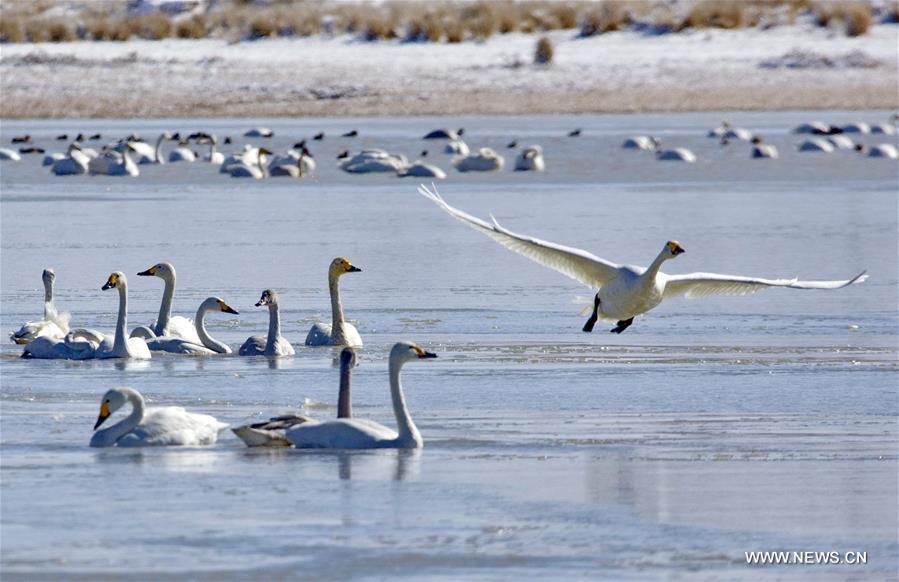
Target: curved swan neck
{"points": [[259, 163], [405, 427], [336, 305], [112, 434], [208, 341], [121, 338], [653, 269], [159, 158], [211, 150], [274, 326], [344, 396], [165, 309], [48, 290]]}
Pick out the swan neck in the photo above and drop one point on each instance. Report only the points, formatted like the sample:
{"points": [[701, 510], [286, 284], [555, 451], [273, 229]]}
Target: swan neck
{"points": [[405, 427], [165, 308], [344, 396], [336, 307], [112, 434], [48, 290], [207, 340], [259, 163], [122, 323], [158, 151], [653, 269], [274, 326]]}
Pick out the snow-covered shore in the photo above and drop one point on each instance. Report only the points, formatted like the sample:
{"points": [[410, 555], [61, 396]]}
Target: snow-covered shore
{"points": [[788, 67]]}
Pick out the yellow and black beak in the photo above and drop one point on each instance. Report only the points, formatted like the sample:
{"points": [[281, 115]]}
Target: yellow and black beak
{"points": [[104, 414], [677, 250], [110, 283], [353, 269], [148, 273], [422, 353], [227, 308]]}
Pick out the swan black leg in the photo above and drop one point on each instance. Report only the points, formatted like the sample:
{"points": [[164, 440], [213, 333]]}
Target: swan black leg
{"points": [[588, 327], [622, 325]]}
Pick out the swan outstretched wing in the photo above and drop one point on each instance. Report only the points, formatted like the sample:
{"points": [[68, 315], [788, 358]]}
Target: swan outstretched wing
{"points": [[706, 284], [575, 263]]}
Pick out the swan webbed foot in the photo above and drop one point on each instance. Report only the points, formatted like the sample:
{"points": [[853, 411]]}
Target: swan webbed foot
{"points": [[622, 325], [588, 327]]}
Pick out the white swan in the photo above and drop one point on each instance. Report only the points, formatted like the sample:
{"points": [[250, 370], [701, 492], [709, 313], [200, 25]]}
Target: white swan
{"points": [[259, 132], [244, 169], [422, 169], [841, 142], [51, 159], [75, 162], [373, 161], [167, 324], [883, 150], [7, 154], [456, 147], [737, 133], [641, 142], [274, 344], [152, 427], [247, 157], [271, 433], [182, 153], [213, 157], [815, 127], [339, 333], [816, 144], [625, 291], [121, 346], [351, 433], [294, 164], [208, 346], [530, 160], [445, 134], [54, 324], [719, 131], [856, 128], [75, 345], [485, 160], [147, 154], [113, 163], [676, 155], [763, 150]]}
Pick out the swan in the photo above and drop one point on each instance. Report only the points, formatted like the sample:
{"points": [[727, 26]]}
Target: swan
{"points": [[51, 159], [339, 333], [270, 433], [113, 163], [295, 164], [856, 128], [167, 324], [816, 144], [54, 325], [625, 291], [763, 150], [208, 347], [719, 131], [274, 344], [841, 142], [75, 162], [737, 133], [445, 134], [486, 160], [121, 346], [883, 150], [530, 160], [421, 169], [213, 157], [152, 427], [182, 153], [243, 169], [676, 155], [456, 147], [259, 132], [641, 142], [8, 154], [351, 433], [815, 127], [147, 154], [884, 128], [374, 160], [75, 345]]}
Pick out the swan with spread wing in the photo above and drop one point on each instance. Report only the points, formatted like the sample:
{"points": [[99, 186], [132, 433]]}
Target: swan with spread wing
{"points": [[625, 291]]}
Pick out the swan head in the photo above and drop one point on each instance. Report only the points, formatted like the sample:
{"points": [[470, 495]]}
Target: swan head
{"points": [[48, 276], [162, 270], [269, 297], [348, 358], [217, 304], [112, 401], [342, 265], [116, 279], [408, 351], [673, 249]]}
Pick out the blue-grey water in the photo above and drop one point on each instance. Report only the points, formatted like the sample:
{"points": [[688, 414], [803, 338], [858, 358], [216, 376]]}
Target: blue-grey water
{"points": [[710, 428]]}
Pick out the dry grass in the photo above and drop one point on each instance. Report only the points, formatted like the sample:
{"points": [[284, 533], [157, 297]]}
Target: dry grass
{"points": [[193, 27], [607, 17], [855, 17], [543, 55], [12, 30], [152, 26], [44, 30], [716, 14]]}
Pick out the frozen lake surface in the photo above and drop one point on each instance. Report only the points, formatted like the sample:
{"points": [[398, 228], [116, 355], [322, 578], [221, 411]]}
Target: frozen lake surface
{"points": [[708, 429]]}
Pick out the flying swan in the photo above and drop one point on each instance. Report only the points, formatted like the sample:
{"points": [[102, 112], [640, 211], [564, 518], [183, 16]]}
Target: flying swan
{"points": [[152, 427], [339, 333], [625, 291]]}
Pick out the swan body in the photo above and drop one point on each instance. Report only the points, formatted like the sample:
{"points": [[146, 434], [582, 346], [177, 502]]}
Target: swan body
{"points": [[815, 127], [274, 344], [259, 132], [113, 163], [243, 169], [676, 155], [182, 154], [737, 133], [883, 150], [340, 332], [421, 169], [51, 159], [54, 325], [764, 150], [485, 160], [147, 154], [69, 347], [841, 142], [147, 427], [445, 134], [213, 157], [457, 147], [856, 128], [530, 160], [816, 144], [250, 156], [883, 128], [641, 142], [272, 433], [121, 346], [9, 155], [295, 164], [626, 291], [75, 162], [374, 161], [208, 346], [166, 324], [352, 433]]}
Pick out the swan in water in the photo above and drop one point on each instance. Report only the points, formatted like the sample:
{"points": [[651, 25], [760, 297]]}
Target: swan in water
{"points": [[213, 157], [841, 142], [75, 162], [10, 155], [883, 150], [52, 158], [182, 153], [737, 133], [75, 345], [457, 147], [152, 427], [339, 333], [422, 169], [445, 134], [208, 347], [763, 150], [352, 433], [274, 344], [814, 127], [244, 169], [676, 155], [271, 433], [167, 324], [55, 325], [295, 164], [625, 291], [856, 128], [113, 163], [259, 132], [485, 160], [121, 346], [147, 154], [641, 142], [816, 144], [374, 160], [530, 160]]}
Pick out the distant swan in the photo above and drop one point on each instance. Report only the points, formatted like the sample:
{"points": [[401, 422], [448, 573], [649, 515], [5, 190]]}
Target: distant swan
{"points": [[884, 150], [75, 162], [148, 427], [485, 160], [339, 333], [274, 344], [10, 155], [445, 134], [213, 157], [259, 132], [763, 150], [244, 169], [457, 147], [295, 164], [54, 324], [352, 433], [421, 169], [641, 142], [113, 163], [373, 161], [271, 433], [625, 291], [182, 153], [676, 155], [147, 154], [167, 324], [209, 347], [122, 346], [816, 144], [841, 142], [530, 160]]}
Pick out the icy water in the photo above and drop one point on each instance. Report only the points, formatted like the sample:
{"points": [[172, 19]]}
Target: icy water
{"points": [[709, 429]]}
